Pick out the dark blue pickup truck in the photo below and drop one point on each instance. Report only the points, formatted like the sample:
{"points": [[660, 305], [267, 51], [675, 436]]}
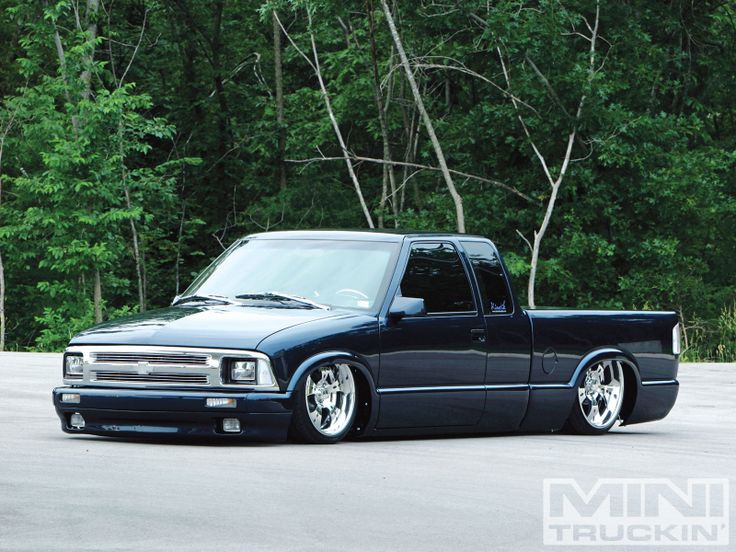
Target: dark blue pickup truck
{"points": [[322, 335]]}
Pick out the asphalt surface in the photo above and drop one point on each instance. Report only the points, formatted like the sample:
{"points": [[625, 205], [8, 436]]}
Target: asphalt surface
{"points": [[62, 492]]}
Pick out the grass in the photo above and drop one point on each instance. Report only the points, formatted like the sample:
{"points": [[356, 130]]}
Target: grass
{"points": [[714, 340]]}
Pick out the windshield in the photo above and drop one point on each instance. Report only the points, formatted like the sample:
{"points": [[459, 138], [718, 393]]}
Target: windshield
{"points": [[334, 273]]}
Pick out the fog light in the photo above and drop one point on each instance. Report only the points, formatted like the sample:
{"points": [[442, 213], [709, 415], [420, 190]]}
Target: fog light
{"points": [[220, 402], [231, 425], [70, 398], [76, 421]]}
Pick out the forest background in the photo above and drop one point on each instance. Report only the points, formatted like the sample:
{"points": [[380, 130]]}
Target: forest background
{"points": [[595, 143]]}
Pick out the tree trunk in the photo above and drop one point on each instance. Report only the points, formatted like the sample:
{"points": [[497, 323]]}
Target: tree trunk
{"points": [[139, 269], [456, 198], [179, 239], [98, 297], [389, 174], [314, 64], [4, 135], [93, 8], [139, 266], [223, 126], [2, 304], [278, 76], [554, 183]]}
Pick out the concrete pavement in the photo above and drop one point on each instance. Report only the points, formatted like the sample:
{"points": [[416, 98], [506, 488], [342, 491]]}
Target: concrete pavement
{"points": [[62, 492]]}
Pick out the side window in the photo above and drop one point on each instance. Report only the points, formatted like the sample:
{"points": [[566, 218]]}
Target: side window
{"points": [[435, 273], [494, 289]]}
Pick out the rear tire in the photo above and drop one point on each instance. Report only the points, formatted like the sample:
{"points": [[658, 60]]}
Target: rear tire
{"points": [[599, 397], [325, 403]]}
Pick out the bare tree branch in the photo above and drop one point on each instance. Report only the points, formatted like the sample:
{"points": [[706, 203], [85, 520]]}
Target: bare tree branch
{"points": [[135, 51], [314, 64], [461, 68], [389, 175], [456, 198], [526, 241], [554, 182], [360, 158]]}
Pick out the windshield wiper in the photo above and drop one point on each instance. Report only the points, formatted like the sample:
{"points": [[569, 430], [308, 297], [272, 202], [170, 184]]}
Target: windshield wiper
{"points": [[203, 298], [277, 295]]}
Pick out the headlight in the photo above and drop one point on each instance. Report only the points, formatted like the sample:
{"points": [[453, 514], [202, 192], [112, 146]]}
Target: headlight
{"points": [[73, 366], [249, 371], [243, 371]]}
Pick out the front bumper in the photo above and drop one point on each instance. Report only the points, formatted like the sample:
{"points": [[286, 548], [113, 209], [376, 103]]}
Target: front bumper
{"points": [[174, 413]]}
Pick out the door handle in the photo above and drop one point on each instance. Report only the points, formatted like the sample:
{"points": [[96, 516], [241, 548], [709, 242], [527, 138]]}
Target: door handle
{"points": [[478, 335]]}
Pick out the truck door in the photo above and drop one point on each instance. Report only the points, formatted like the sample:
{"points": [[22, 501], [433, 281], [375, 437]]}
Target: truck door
{"points": [[508, 343], [433, 366]]}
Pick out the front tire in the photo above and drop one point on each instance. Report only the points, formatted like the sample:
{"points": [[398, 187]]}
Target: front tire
{"points": [[324, 404], [599, 398]]}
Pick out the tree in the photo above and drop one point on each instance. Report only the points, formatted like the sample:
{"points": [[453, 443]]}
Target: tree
{"points": [[163, 132], [554, 181], [456, 198]]}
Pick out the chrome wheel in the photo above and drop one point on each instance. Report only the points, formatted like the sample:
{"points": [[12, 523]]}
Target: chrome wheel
{"points": [[601, 393], [330, 396]]}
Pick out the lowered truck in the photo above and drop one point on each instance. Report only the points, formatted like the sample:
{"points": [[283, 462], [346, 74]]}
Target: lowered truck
{"points": [[321, 335]]}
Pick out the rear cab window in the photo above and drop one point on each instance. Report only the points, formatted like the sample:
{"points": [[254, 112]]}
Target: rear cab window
{"points": [[494, 288]]}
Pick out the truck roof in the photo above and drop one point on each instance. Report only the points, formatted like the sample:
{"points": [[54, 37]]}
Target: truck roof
{"points": [[396, 235]]}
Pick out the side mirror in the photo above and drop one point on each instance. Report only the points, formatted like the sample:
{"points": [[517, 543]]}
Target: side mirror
{"points": [[406, 306]]}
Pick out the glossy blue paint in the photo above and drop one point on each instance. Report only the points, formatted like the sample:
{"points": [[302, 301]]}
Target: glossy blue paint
{"points": [[441, 373], [132, 412]]}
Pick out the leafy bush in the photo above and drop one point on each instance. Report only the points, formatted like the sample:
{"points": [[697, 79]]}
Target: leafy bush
{"points": [[715, 340]]}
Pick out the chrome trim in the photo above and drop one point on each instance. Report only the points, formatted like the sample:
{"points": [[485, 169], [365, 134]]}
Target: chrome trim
{"points": [[452, 388], [164, 367], [659, 382], [497, 387], [152, 358], [550, 386], [106, 375], [437, 388]]}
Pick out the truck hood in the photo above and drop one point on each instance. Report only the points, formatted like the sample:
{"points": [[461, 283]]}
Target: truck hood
{"points": [[221, 326]]}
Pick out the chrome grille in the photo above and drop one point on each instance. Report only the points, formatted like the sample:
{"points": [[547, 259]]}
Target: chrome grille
{"points": [[151, 358], [161, 366], [133, 377]]}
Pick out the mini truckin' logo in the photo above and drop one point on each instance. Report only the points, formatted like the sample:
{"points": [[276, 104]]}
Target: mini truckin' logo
{"points": [[646, 512]]}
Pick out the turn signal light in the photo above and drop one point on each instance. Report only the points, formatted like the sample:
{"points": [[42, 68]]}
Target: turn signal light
{"points": [[220, 402]]}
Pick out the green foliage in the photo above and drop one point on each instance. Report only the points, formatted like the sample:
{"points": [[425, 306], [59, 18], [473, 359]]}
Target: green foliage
{"points": [[185, 122], [713, 340]]}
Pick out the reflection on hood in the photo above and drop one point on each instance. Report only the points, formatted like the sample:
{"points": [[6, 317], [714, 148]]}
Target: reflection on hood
{"points": [[226, 326]]}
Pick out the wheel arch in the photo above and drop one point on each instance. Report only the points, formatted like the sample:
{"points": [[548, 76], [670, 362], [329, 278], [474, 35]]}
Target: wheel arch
{"points": [[632, 377], [367, 396]]}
